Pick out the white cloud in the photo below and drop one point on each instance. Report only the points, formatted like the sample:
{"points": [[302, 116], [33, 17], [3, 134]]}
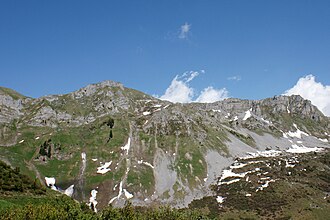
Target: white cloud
{"points": [[180, 90], [316, 92], [184, 30], [210, 94], [235, 78]]}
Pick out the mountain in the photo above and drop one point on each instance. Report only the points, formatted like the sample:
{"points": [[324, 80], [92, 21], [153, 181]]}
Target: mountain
{"points": [[115, 144]]}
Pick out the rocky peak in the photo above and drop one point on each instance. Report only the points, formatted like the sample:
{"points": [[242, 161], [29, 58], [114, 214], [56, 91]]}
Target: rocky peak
{"points": [[93, 88], [294, 104]]}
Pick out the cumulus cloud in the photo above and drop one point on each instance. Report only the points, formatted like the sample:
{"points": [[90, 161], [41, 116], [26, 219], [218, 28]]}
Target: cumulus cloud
{"points": [[184, 31], [180, 90], [210, 94], [316, 92], [235, 78]]}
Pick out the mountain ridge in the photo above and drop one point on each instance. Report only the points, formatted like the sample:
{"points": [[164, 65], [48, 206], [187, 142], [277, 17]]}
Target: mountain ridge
{"points": [[138, 139]]}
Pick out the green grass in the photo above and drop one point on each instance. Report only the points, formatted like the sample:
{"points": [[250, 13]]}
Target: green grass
{"points": [[144, 177], [15, 95]]}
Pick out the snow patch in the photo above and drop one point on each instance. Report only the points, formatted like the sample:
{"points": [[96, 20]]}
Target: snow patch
{"points": [[287, 109], [220, 199], [231, 181], [50, 181], [264, 120], [146, 163], [69, 191], [265, 185], [302, 149], [92, 200], [127, 194], [237, 166], [230, 173], [216, 110], [37, 138], [268, 153], [83, 156], [323, 140], [119, 193], [146, 113], [247, 114], [21, 141], [127, 146], [94, 159], [104, 168], [296, 133]]}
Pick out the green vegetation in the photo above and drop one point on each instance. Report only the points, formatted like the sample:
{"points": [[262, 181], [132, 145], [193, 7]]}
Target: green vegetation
{"points": [[12, 93], [12, 181], [142, 178]]}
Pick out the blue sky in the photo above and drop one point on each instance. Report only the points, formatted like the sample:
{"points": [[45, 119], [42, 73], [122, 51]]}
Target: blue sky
{"points": [[56, 47]]}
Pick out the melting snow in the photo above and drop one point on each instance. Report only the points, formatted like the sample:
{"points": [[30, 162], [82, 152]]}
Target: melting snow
{"points": [[104, 168], [92, 199], [157, 106], [296, 134], [50, 181], [240, 165], [215, 110], [230, 173], [127, 194], [287, 109], [324, 140], [83, 156], [119, 193], [21, 141], [146, 163], [146, 113], [69, 190], [231, 181], [265, 185], [94, 160], [264, 120], [127, 146], [302, 149], [247, 114], [220, 199], [287, 164], [235, 118], [248, 194], [268, 153], [37, 138], [284, 135]]}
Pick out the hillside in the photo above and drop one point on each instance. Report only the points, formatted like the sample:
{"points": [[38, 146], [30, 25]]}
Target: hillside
{"points": [[115, 144]]}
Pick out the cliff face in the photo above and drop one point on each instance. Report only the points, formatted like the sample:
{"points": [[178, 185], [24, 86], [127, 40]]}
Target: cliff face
{"points": [[128, 145]]}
